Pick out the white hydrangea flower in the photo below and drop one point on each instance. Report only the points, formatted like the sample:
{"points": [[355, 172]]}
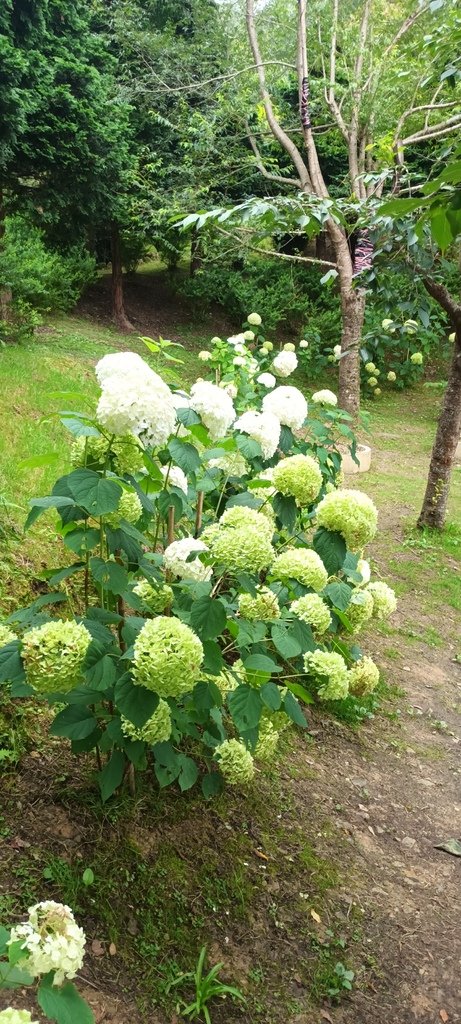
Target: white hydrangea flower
{"points": [[176, 477], [205, 356], [175, 559], [288, 405], [285, 363], [363, 567], [239, 361], [236, 339], [117, 364], [249, 335], [452, 337], [325, 397], [337, 351], [263, 427], [232, 464], [388, 325], [392, 376], [214, 406], [231, 389], [267, 380], [254, 319], [303, 343], [52, 940], [136, 401]]}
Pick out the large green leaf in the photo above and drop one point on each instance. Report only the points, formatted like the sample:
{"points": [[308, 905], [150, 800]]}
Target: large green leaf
{"points": [[208, 617], [331, 547], [212, 784], [184, 455], [110, 575], [11, 667], [271, 696], [188, 773], [245, 706], [293, 710], [63, 1004], [339, 594], [135, 702], [94, 493], [75, 722], [14, 977], [287, 644], [286, 510], [40, 505], [99, 667], [112, 774]]}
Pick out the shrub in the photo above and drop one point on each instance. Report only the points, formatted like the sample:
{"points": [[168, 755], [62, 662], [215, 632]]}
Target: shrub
{"points": [[38, 275]]}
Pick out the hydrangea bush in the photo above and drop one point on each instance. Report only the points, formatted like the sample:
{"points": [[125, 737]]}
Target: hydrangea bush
{"points": [[223, 581], [45, 953]]}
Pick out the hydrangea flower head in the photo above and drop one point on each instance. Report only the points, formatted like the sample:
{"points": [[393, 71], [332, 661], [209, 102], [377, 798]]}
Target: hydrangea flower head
{"points": [[89, 451], [167, 657], [289, 347], [267, 742], [137, 402], [363, 567], [352, 514], [267, 380], [175, 477], [330, 670], [303, 343], [175, 559], [235, 762], [242, 516], [384, 599], [360, 608], [337, 351], [242, 548], [232, 464], [325, 397], [127, 454], [377, 392], [386, 324], [288, 405], [157, 729], [53, 655], [249, 335], [363, 677], [156, 599], [372, 382], [303, 565], [264, 606], [284, 363], [128, 508], [214, 407], [52, 941], [254, 319], [416, 358], [300, 476], [263, 427], [311, 608], [10, 1016], [205, 356], [392, 376], [119, 364], [370, 367], [6, 635]]}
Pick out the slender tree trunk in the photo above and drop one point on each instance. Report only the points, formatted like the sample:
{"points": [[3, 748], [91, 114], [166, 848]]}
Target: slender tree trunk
{"points": [[118, 310], [6, 295], [196, 253], [353, 312], [434, 508]]}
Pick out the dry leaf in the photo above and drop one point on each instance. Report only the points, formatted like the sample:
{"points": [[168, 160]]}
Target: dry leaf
{"points": [[97, 948], [326, 1016], [112, 949], [443, 1016], [262, 856], [315, 916]]}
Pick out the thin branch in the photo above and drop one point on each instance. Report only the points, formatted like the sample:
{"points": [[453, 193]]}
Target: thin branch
{"points": [[196, 86], [262, 169], [330, 95], [278, 132], [315, 171], [434, 131], [423, 106], [273, 252], [404, 28]]}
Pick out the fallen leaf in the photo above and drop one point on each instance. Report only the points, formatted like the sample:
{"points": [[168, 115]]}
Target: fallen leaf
{"points": [[112, 949], [262, 856], [326, 1016], [450, 846], [315, 916], [97, 948], [443, 1016]]}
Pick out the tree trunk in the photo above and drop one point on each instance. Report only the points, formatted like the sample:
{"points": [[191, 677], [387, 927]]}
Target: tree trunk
{"points": [[434, 508], [196, 253], [118, 310], [353, 312]]}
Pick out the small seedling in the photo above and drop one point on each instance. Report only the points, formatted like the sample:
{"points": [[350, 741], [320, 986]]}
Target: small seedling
{"points": [[207, 987]]}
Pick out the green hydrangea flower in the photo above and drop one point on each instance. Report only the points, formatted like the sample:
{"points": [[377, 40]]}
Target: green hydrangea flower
{"points": [[384, 599], [312, 609], [157, 729], [300, 476], [350, 513], [363, 677], [129, 508], [372, 382], [91, 452], [53, 655], [331, 671], [240, 516], [156, 598], [392, 376], [227, 680], [417, 358], [10, 1016], [264, 606], [6, 635], [244, 549], [360, 609], [235, 762], [268, 739], [232, 464], [370, 367], [167, 657], [303, 565], [128, 454]]}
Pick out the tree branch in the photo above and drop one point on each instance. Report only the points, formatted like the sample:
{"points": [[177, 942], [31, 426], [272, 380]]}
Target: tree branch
{"points": [[278, 132], [262, 169], [404, 28], [303, 87], [330, 96], [434, 131], [196, 86], [273, 252], [441, 295], [423, 106]]}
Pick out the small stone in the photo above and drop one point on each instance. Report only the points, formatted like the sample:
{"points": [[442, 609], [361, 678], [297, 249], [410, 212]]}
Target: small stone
{"points": [[408, 842]]}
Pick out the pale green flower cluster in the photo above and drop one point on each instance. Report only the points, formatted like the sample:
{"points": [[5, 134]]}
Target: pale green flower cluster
{"points": [[264, 606], [384, 599], [350, 513], [331, 670], [360, 609], [10, 1016], [232, 464], [268, 739], [325, 397], [156, 599], [392, 376], [242, 540], [52, 941], [227, 680], [128, 508], [157, 729], [89, 451], [241, 516], [416, 358], [303, 565], [299, 476], [6, 635], [363, 677], [53, 655], [235, 762], [128, 454], [311, 608], [93, 452], [167, 657]]}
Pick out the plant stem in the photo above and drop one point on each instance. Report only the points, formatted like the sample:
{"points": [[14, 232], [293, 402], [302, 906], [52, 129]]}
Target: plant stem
{"points": [[199, 513]]}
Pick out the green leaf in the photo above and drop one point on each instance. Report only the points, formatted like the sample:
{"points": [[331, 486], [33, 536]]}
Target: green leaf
{"points": [[135, 702], [110, 575], [188, 773], [40, 505], [4, 939], [286, 510], [301, 692], [339, 594], [261, 663], [452, 846], [212, 785], [208, 617], [112, 774], [187, 417], [100, 669], [331, 547], [271, 696], [167, 763], [286, 441], [11, 667], [249, 448], [64, 574], [287, 644], [166, 500], [36, 461], [245, 706], [14, 977], [88, 877], [293, 710], [75, 722], [302, 632], [63, 1004], [213, 661], [246, 499], [80, 540], [184, 455], [97, 495]]}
